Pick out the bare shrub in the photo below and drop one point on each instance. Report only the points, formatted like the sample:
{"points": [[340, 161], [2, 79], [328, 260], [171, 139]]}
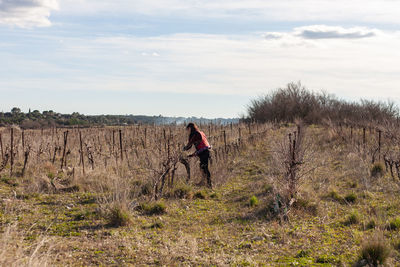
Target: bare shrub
{"points": [[295, 101], [292, 158]]}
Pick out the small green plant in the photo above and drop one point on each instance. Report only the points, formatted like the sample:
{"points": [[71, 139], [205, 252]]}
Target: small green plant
{"points": [[214, 195], [253, 201], [9, 180], [60, 174], [302, 254], [350, 198], [183, 191], [375, 251], [396, 246], [156, 208], [394, 224], [377, 170], [157, 225], [370, 225], [306, 205], [200, 194], [268, 188], [334, 195], [245, 245], [326, 259], [146, 189], [353, 218], [353, 185]]}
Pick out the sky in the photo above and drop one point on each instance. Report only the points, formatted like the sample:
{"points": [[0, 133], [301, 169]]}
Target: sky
{"points": [[204, 58]]}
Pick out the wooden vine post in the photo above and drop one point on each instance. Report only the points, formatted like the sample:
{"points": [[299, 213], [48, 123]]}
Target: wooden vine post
{"points": [[26, 156], [1, 148], [120, 145], [225, 141], [12, 151], [23, 140], [81, 152], [364, 137], [351, 132], [165, 139], [145, 137], [64, 149], [379, 144], [113, 143]]}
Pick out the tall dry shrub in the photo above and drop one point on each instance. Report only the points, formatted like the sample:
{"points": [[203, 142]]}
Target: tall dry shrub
{"points": [[292, 161]]}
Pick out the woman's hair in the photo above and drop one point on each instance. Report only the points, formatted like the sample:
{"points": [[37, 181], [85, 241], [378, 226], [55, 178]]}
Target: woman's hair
{"points": [[193, 127]]}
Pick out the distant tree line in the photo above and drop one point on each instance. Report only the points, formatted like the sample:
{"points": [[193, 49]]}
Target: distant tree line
{"points": [[36, 119], [296, 102]]}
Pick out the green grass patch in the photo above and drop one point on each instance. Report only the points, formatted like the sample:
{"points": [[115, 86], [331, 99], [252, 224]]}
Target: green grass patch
{"points": [[352, 218], [350, 198], [202, 194], [253, 201], [327, 259], [334, 195], [377, 170], [370, 225], [183, 191], [394, 224], [156, 208]]}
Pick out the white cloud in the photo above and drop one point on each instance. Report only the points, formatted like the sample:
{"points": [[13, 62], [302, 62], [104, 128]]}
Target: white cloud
{"points": [[26, 13], [381, 11], [315, 32], [217, 64], [330, 32], [273, 35]]}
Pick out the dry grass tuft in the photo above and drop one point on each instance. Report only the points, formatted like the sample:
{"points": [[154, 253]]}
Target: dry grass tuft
{"points": [[118, 215], [13, 251], [377, 170], [374, 252]]}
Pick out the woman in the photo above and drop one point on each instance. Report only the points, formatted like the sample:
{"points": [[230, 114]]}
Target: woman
{"points": [[199, 140]]}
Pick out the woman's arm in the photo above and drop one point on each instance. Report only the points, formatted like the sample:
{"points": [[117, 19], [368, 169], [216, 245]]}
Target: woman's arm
{"points": [[193, 140]]}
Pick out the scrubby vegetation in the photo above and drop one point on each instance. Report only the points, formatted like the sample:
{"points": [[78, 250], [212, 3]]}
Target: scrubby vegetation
{"points": [[297, 102]]}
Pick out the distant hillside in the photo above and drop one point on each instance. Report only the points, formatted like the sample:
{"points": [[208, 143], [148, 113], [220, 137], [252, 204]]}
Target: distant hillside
{"points": [[37, 119]]}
